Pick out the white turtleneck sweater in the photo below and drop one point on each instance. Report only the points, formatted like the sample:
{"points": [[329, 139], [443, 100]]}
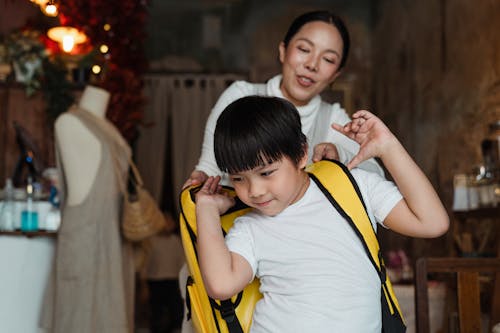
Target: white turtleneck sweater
{"points": [[316, 118]]}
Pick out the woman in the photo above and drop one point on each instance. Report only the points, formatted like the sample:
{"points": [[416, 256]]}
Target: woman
{"points": [[312, 55]]}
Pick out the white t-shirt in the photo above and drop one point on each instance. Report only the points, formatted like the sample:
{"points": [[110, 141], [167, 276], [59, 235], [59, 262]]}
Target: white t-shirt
{"points": [[316, 118], [315, 274]]}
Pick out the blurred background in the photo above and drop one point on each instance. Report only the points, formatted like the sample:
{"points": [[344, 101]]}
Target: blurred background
{"points": [[429, 69]]}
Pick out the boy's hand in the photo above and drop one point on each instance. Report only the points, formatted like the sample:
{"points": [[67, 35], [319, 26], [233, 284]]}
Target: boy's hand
{"points": [[212, 195], [374, 138]]}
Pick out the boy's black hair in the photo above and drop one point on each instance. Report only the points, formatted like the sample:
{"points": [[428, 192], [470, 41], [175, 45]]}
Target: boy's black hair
{"points": [[322, 16], [255, 130]]}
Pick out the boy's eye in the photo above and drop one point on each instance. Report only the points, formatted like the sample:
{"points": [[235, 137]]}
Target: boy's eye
{"points": [[235, 179], [266, 173]]}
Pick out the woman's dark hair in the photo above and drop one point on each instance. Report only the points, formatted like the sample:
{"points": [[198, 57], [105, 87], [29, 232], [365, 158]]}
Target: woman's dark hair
{"points": [[323, 16], [256, 130]]}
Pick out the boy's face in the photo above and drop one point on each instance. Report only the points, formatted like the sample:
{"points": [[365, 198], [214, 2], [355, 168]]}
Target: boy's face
{"points": [[272, 187]]}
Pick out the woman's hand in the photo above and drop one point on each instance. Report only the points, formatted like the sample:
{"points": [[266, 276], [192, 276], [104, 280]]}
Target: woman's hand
{"points": [[325, 150], [212, 195], [197, 177], [374, 138]]}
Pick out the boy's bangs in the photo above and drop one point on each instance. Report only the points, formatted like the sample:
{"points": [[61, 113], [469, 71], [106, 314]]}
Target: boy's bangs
{"points": [[242, 154]]}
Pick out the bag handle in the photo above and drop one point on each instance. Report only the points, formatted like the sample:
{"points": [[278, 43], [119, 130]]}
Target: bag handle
{"points": [[119, 179], [136, 179], [135, 172]]}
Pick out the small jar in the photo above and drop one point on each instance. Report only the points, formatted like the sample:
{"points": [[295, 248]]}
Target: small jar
{"points": [[490, 148], [460, 193]]}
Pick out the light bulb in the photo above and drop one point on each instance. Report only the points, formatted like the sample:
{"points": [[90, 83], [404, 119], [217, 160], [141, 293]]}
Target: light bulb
{"points": [[67, 37], [68, 42], [50, 9]]}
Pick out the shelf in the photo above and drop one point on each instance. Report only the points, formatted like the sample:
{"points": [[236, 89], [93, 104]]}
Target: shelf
{"points": [[29, 234], [486, 212]]}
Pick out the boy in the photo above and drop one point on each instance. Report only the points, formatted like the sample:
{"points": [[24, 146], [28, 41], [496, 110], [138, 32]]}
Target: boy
{"points": [[315, 274]]}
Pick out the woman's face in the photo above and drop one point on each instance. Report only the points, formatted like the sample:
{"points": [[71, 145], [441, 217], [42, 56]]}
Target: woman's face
{"points": [[310, 62]]}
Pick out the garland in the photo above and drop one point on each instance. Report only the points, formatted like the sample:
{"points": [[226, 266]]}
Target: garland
{"points": [[119, 24], [30, 53]]}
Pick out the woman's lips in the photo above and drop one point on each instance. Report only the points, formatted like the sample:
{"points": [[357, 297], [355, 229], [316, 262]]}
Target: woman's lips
{"points": [[305, 81]]}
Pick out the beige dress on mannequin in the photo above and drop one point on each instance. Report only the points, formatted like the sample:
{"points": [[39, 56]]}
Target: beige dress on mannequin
{"points": [[92, 288]]}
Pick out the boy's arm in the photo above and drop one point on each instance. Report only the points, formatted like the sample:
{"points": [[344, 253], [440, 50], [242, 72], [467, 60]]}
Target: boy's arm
{"points": [[224, 273], [421, 213]]}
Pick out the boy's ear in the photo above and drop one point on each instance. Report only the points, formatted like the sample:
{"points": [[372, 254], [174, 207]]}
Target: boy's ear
{"points": [[303, 160]]}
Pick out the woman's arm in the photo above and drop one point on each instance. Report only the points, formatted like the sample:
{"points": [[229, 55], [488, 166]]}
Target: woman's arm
{"points": [[206, 163], [421, 213], [224, 273]]}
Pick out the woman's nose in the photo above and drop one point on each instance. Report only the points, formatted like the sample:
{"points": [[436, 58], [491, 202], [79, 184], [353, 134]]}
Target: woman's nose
{"points": [[311, 64]]}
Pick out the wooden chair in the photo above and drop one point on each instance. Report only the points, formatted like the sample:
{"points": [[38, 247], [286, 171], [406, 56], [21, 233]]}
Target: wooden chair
{"points": [[468, 291]]}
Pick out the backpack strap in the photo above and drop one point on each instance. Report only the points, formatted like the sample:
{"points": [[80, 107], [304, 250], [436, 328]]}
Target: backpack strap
{"points": [[226, 308], [228, 313], [338, 185]]}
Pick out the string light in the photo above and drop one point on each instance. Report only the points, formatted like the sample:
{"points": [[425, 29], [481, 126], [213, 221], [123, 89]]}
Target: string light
{"points": [[96, 69], [104, 48]]}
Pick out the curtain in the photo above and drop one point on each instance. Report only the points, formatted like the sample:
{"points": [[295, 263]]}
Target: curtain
{"points": [[169, 144]]}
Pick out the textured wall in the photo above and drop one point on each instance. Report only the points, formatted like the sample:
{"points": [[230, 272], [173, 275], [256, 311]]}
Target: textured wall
{"points": [[13, 14], [436, 68], [249, 33]]}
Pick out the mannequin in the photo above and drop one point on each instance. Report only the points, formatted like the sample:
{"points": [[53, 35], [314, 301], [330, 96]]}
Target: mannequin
{"points": [[92, 286], [82, 163]]}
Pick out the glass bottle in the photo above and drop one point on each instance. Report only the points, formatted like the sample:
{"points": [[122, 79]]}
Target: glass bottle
{"points": [[7, 216], [29, 216]]}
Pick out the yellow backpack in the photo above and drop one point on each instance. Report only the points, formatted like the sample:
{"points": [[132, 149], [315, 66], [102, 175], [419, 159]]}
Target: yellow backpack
{"points": [[235, 315]]}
